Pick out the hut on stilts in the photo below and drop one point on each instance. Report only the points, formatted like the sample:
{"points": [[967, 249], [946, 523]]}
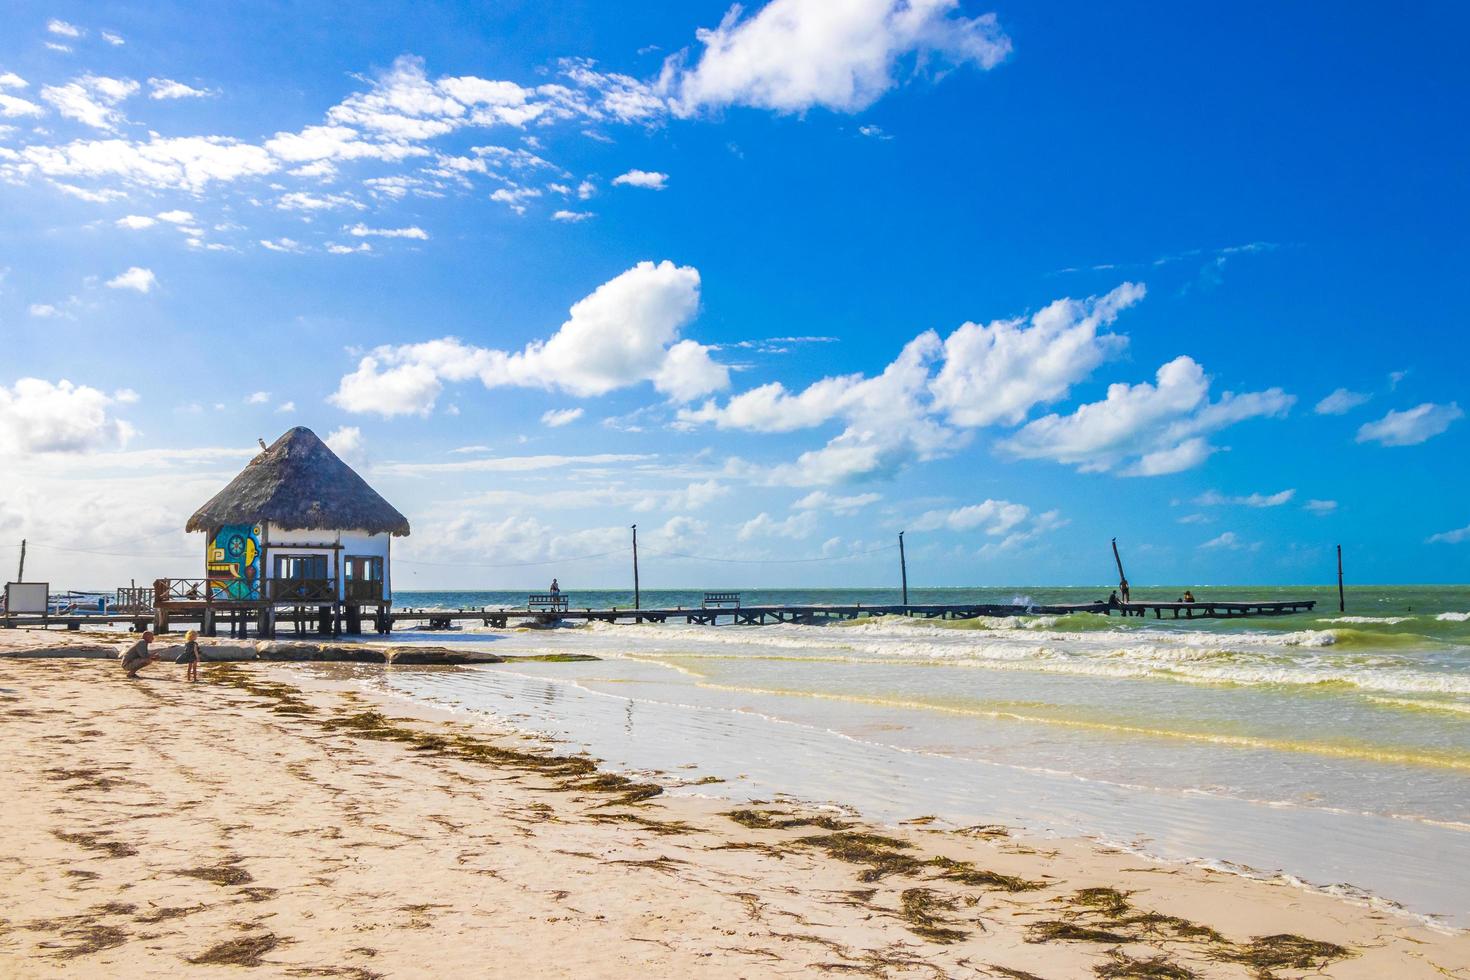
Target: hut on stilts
{"points": [[297, 535]]}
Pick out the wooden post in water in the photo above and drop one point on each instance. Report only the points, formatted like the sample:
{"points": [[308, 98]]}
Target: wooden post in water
{"points": [[637, 596], [20, 576], [903, 567], [1122, 579], [1341, 602]]}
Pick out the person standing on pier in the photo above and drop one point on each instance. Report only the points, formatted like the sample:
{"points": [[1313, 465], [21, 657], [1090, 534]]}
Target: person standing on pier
{"points": [[1123, 588], [555, 587]]}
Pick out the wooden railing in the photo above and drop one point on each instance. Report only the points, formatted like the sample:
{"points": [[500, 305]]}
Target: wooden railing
{"points": [[549, 601], [362, 590], [717, 600], [179, 590], [301, 589]]}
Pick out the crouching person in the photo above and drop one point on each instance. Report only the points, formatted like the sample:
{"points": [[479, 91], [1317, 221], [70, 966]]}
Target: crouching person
{"points": [[138, 655]]}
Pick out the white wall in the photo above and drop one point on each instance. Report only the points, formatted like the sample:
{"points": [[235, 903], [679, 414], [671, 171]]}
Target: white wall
{"points": [[280, 541]]}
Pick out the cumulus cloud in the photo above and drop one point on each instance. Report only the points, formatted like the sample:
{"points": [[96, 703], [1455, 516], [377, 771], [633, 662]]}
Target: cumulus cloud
{"points": [[167, 88], [62, 29], [135, 278], [926, 402], [1229, 541], [821, 500], [136, 222], [1411, 426], [1212, 498], [363, 231], [1145, 429], [763, 525], [1340, 402], [1012, 523], [185, 163], [1320, 507], [649, 180], [347, 442], [91, 99], [556, 418], [1457, 536], [37, 416], [623, 333], [571, 216], [13, 106], [793, 55], [1000, 371]]}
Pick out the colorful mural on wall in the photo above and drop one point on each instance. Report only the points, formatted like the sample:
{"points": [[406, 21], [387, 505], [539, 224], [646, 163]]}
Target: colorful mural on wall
{"points": [[232, 558]]}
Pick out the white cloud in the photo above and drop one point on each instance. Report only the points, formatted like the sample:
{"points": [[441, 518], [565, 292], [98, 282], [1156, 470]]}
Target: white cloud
{"points": [[999, 372], [1320, 507], [347, 442], [1456, 536], [10, 79], [1012, 523], [623, 333], [135, 277], [285, 408], [556, 418], [44, 310], [258, 398], [1340, 402], [1145, 429], [281, 245], [63, 48], [648, 179], [187, 162], [363, 231], [571, 216], [1411, 426], [1212, 498], [874, 132], [796, 526], [697, 495], [176, 217], [13, 106], [821, 500], [91, 99], [167, 88], [513, 197], [793, 55], [136, 222], [304, 201], [113, 38], [62, 29], [336, 249], [586, 189], [37, 416], [1229, 541]]}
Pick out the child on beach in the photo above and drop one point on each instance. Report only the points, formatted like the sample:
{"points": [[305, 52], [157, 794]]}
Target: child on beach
{"points": [[138, 656], [190, 655]]}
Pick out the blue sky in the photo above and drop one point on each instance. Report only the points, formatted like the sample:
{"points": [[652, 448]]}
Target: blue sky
{"points": [[773, 284]]}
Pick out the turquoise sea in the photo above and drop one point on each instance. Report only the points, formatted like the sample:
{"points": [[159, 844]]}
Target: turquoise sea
{"points": [[1332, 748]]}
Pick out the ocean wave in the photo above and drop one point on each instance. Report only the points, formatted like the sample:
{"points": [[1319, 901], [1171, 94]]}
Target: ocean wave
{"points": [[1385, 620], [1453, 617]]}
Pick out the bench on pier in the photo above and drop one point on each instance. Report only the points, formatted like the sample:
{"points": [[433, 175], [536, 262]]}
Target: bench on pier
{"points": [[548, 602], [721, 600]]}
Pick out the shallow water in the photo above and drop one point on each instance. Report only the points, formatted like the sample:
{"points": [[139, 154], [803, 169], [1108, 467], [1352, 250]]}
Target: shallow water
{"points": [[1330, 747]]}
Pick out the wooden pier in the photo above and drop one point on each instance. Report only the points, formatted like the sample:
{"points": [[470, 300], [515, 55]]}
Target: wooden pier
{"points": [[503, 616]]}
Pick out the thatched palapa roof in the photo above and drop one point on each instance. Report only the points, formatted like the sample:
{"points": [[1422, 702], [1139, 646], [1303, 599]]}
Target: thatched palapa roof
{"points": [[298, 484]]}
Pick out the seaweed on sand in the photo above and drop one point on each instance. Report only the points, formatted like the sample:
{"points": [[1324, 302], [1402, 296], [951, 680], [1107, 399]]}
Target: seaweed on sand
{"points": [[775, 820], [97, 842], [245, 951], [881, 855], [922, 909], [967, 874], [91, 938], [1121, 966], [225, 873], [1284, 951]]}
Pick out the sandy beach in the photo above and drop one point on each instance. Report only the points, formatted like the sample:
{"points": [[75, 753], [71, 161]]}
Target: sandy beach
{"points": [[295, 826]]}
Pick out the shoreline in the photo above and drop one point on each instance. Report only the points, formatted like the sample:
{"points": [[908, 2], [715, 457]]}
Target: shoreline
{"points": [[805, 887]]}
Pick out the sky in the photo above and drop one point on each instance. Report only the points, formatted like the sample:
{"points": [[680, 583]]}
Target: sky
{"points": [[772, 282]]}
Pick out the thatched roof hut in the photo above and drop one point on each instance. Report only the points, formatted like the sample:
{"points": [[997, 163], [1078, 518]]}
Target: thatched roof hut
{"points": [[298, 483]]}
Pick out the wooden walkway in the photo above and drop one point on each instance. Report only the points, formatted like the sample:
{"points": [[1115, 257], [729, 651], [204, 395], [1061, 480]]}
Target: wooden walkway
{"points": [[502, 617]]}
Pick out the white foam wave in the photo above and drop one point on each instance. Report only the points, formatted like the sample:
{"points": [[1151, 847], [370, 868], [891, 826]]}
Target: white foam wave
{"points": [[1453, 617], [1366, 620]]}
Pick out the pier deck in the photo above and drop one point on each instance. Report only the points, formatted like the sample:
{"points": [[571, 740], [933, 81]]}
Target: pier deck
{"points": [[742, 616]]}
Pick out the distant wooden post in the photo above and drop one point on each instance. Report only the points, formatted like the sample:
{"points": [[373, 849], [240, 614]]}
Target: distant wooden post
{"points": [[1122, 579], [903, 567], [20, 576], [637, 595], [1341, 602]]}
